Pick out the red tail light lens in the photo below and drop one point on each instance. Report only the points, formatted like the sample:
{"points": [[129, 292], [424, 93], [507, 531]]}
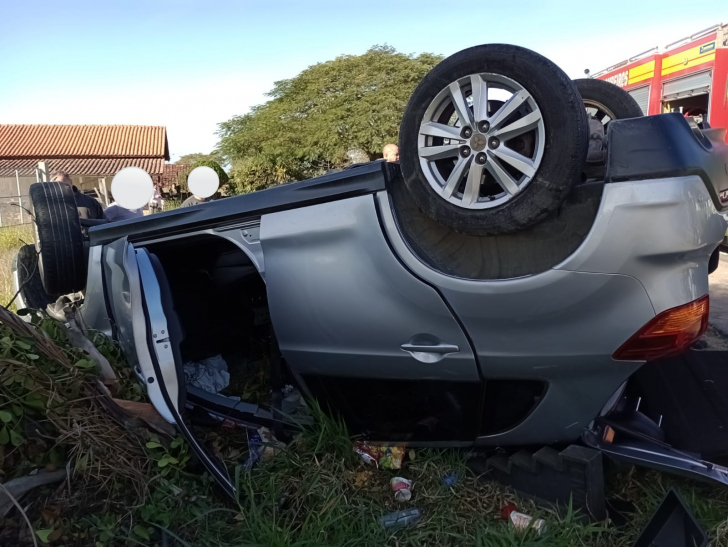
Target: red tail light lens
{"points": [[669, 333]]}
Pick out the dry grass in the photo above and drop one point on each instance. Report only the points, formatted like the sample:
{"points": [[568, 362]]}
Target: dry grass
{"points": [[11, 239]]}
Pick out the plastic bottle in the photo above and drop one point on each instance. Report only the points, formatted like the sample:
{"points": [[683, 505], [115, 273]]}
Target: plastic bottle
{"points": [[400, 519]]}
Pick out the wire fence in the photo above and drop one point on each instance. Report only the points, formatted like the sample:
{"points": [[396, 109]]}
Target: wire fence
{"points": [[14, 200], [14, 210]]}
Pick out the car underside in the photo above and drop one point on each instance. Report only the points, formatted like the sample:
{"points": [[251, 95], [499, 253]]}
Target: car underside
{"points": [[422, 324]]}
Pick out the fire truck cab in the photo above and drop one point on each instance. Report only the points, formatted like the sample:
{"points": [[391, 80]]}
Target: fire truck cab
{"points": [[687, 76]]}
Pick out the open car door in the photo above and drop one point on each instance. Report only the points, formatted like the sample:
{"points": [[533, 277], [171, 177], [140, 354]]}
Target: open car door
{"points": [[148, 331]]}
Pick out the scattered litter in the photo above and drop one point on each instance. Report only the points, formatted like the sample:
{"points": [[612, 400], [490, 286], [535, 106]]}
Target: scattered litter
{"points": [[400, 519], [450, 479], [228, 424], [402, 488], [523, 522], [411, 454], [262, 446], [362, 478], [386, 457], [391, 457], [507, 509], [210, 374], [254, 445], [367, 453], [271, 446], [292, 400]]}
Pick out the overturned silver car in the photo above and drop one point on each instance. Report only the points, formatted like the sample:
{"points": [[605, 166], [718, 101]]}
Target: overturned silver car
{"points": [[538, 244]]}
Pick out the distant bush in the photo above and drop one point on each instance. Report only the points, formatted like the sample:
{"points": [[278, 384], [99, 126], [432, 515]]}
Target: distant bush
{"points": [[171, 204]]}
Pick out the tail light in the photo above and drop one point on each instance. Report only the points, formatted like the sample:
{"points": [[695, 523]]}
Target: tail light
{"points": [[669, 333]]}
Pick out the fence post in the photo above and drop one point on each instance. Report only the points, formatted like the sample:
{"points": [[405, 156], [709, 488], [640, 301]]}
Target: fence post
{"points": [[20, 199], [41, 174], [106, 191]]}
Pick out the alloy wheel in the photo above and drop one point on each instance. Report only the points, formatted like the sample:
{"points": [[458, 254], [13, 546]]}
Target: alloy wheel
{"points": [[481, 141]]}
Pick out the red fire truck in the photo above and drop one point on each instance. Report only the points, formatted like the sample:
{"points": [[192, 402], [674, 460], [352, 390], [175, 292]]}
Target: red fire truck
{"points": [[688, 76]]}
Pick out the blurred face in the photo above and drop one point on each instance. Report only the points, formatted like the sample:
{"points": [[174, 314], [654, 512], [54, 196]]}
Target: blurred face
{"points": [[391, 152]]}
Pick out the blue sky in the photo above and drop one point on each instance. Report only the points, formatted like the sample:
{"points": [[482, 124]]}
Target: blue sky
{"points": [[190, 64]]}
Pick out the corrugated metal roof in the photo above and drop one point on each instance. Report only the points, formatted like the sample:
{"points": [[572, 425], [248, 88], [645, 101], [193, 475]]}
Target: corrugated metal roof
{"points": [[81, 166], [83, 141]]}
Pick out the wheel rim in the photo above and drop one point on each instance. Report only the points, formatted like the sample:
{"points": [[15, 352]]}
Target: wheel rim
{"points": [[599, 112], [481, 141]]}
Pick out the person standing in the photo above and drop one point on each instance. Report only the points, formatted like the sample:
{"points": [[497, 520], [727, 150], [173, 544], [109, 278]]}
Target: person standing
{"points": [[87, 206], [156, 204], [390, 152], [116, 212], [193, 200]]}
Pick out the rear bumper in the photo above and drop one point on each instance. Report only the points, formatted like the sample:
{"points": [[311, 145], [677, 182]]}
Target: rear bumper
{"points": [[665, 146], [661, 232], [683, 398]]}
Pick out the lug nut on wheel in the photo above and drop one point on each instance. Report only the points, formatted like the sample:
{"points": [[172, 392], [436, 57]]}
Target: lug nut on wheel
{"points": [[494, 143], [464, 151], [481, 158], [483, 126], [466, 133]]}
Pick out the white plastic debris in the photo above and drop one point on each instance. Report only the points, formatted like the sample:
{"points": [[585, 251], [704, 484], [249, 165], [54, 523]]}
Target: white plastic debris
{"points": [[522, 522], [210, 374]]}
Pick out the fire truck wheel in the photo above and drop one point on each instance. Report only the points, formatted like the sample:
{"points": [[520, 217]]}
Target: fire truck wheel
{"points": [[493, 140], [606, 101]]}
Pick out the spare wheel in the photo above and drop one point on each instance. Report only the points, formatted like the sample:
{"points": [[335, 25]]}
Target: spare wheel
{"points": [[493, 139], [604, 102], [59, 239]]}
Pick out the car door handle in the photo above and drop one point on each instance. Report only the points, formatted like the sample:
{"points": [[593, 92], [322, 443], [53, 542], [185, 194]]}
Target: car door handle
{"points": [[442, 349], [429, 353]]}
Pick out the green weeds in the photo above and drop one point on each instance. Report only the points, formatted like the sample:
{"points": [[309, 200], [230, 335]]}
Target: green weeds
{"points": [[130, 489]]}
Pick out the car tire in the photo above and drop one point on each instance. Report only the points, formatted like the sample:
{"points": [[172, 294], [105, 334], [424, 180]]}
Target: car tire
{"points": [[31, 293], [59, 239], [604, 102], [613, 99], [561, 136]]}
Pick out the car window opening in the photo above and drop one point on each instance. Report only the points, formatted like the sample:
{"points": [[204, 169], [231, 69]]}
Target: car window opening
{"points": [[226, 337]]}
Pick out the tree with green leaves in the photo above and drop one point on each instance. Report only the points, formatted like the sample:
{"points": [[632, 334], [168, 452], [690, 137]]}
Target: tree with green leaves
{"points": [[314, 121], [191, 159]]}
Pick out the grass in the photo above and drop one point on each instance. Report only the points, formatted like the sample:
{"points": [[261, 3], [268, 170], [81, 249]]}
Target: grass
{"points": [[130, 488], [315, 492], [11, 239], [171, 204], [318, 493]]}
